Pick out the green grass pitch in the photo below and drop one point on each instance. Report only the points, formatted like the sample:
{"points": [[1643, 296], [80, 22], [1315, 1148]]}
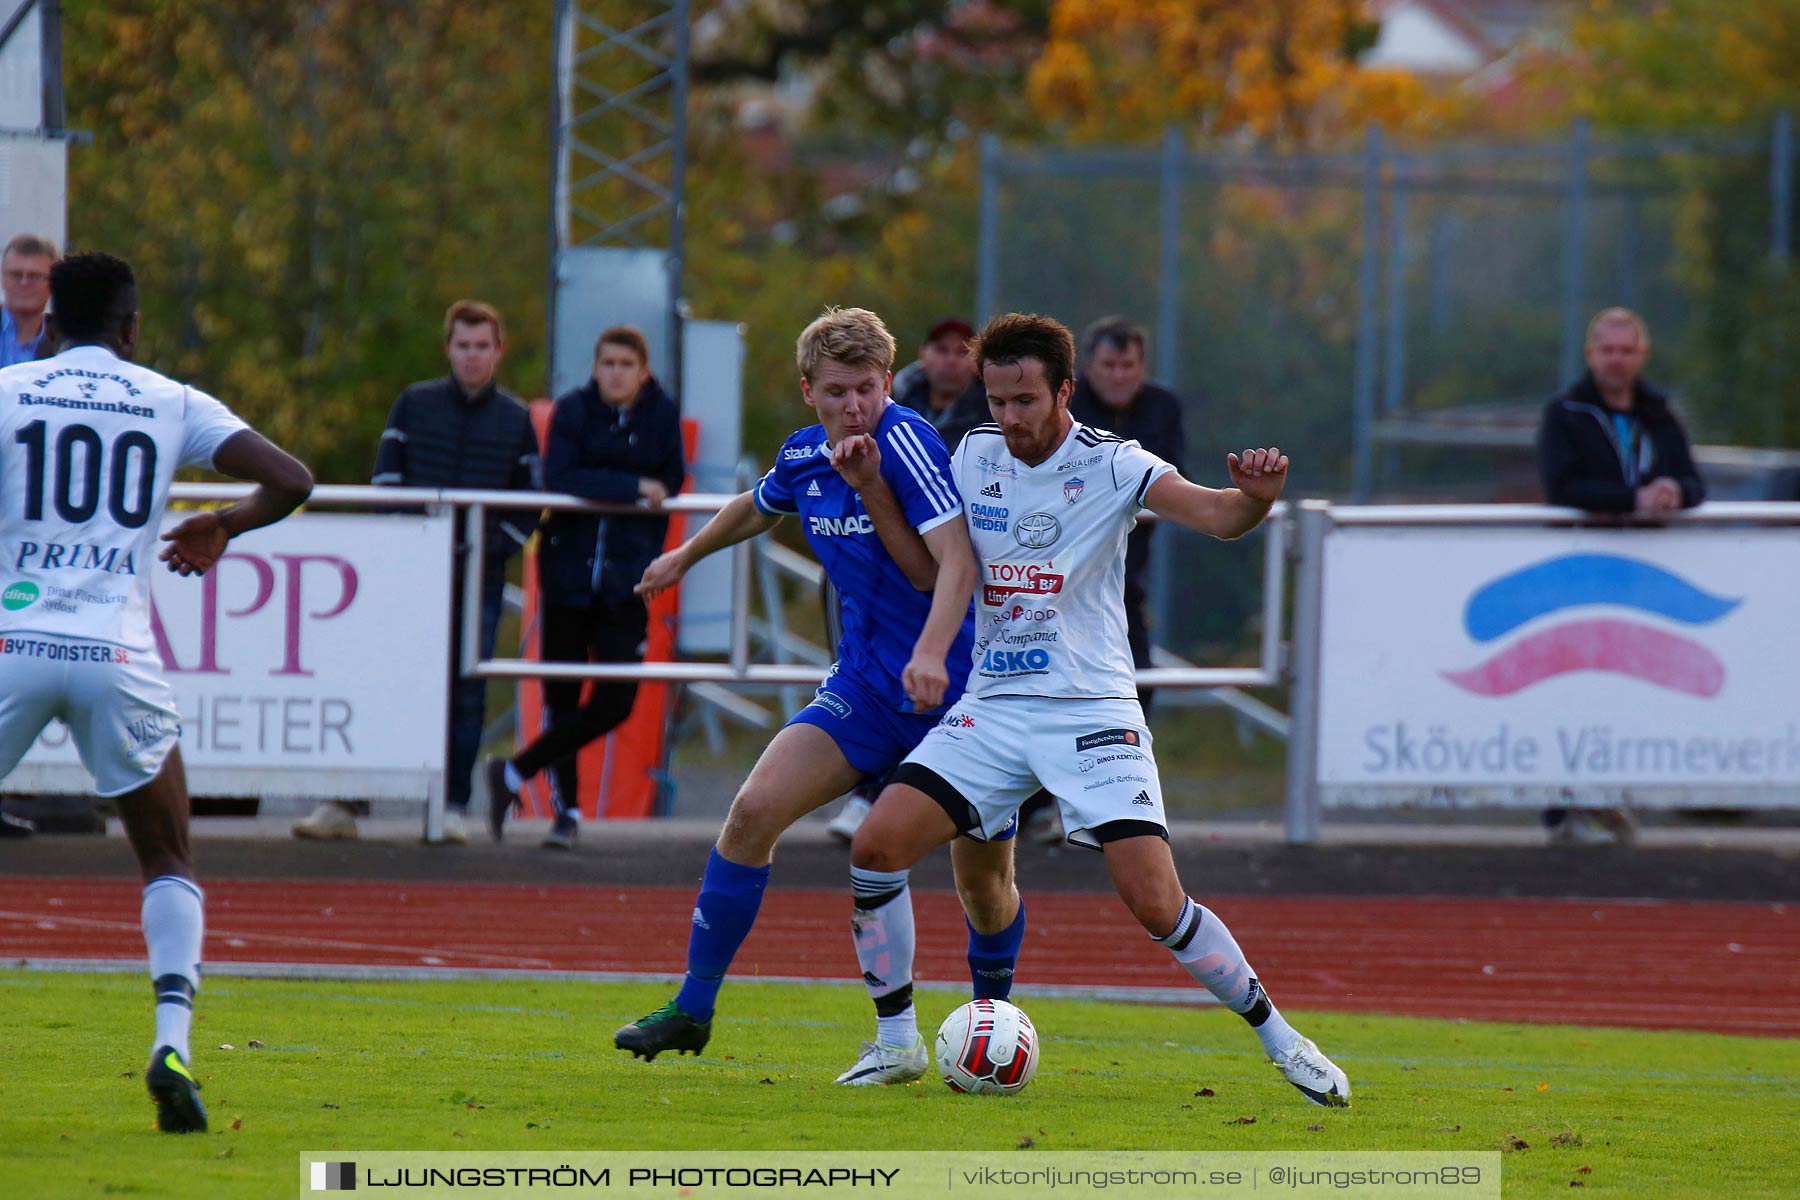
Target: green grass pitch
{"points": [[530, 1066]]}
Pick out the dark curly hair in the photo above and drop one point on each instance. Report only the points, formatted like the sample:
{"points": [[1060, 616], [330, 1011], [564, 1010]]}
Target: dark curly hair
{"points": [[93, 295], [1006, 339]]}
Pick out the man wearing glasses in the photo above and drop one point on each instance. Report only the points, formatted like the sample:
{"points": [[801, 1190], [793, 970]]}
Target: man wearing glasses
{"points": [[25, 278]]}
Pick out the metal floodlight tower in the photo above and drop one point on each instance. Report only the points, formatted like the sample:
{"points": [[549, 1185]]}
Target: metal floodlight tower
{"points": [[618, 167]]}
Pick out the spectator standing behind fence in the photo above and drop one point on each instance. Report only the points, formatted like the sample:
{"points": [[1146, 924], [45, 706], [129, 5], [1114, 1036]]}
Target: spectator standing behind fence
{"points": [[25, 280], [460, 431], [617, 438], [1610, 443], [945, 390]]}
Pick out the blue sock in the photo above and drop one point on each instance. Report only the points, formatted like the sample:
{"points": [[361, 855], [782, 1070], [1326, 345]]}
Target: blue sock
{"points": [[729, 897], [992, 957]]}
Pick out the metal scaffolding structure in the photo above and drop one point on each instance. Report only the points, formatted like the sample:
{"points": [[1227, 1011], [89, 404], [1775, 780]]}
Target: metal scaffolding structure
{"points": [[618, 141]]}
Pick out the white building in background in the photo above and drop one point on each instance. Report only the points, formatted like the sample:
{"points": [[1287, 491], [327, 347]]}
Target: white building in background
{"points": [[1467, 42]]}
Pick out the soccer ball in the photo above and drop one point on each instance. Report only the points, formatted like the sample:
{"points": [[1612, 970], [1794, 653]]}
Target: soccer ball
{"points": [[987, 1047]]}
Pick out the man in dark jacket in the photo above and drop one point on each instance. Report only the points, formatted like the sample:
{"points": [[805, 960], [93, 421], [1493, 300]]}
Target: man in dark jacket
{"points": [[618, 438], [459, 432], [946, 389], [1114, 395], [1610, 443]]}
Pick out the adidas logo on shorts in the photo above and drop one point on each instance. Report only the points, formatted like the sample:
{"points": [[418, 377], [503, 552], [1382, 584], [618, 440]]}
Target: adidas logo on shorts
{"points": [[812, 489], [1143, 798], [992, 490]]}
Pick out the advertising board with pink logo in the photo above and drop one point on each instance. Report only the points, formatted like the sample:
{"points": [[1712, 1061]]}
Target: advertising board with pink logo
{"points": [[312, 661], [1562, 658]]}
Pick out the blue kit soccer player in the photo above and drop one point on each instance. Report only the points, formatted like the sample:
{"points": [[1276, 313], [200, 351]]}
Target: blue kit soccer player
{"points": [[870, 484]]}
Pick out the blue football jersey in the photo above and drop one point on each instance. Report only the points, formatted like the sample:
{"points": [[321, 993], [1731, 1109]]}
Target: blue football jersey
{"points": [[883, 612]]}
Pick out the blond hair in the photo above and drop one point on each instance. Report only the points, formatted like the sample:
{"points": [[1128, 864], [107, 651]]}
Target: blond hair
{"points": [[1619, 316], [853, 336]]}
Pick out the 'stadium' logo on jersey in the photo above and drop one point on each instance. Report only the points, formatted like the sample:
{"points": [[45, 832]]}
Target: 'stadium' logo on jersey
{"points": [[1037, 530], [801, 451], [839, 526], [20, 595], [1107, 737]]}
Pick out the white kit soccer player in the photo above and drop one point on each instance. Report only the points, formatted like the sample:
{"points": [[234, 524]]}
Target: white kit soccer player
{"points": [[1052, 697], [89, 446]]}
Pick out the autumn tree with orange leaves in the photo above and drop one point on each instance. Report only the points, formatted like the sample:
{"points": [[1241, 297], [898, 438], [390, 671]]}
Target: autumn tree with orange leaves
{"points": [[1276, 70]]}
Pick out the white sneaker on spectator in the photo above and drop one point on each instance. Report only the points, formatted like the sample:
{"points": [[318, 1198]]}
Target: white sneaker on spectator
{"points": [[843, 827], [1581, 828], [456, 827], [331, 821], [1044, 827]]}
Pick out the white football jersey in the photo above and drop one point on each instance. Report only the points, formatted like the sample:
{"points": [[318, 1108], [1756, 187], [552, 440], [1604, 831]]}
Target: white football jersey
{"points": [[1050, 544], [89, 444]]}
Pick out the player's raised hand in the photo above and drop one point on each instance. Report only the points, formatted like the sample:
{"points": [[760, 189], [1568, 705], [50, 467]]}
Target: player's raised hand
{"points": [[663, 573], [196, 544], [1259, 474], [858, 459], [926, 680]]}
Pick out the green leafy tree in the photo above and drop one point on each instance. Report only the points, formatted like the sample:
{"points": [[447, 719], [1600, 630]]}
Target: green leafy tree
{"points": [[304, 188]]}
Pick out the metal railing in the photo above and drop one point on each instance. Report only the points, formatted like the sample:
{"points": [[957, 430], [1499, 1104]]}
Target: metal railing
{"points": [[737, 667]]}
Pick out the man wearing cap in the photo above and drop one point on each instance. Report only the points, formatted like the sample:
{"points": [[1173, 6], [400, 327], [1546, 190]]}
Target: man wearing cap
{"points": [[945, 390]]}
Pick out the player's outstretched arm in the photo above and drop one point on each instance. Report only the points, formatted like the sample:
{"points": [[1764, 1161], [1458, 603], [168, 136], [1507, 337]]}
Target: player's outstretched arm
{"points": [[1224, 513], [740, 520], [858, 460], [282, 484], [926, 678]]}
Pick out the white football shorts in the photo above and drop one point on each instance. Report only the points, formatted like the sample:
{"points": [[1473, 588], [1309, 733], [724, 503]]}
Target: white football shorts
{"points": [[118, 707], [1094, 756]]}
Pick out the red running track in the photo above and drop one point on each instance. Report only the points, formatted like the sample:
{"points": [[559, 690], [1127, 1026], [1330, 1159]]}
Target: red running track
{"points": [[1726, 967]]}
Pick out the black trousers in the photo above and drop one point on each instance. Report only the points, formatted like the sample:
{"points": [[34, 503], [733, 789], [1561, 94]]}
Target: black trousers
{"points": [[600, 633]]}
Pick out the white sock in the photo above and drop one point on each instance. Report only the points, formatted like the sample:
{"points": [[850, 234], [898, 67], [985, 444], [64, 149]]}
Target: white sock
{"points": [[515, 782], [1205, 948], [883, 927], [174, 925]]}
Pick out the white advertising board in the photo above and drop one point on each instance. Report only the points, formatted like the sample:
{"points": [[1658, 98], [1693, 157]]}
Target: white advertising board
{"points": [[312, 661], [1555, 658]]}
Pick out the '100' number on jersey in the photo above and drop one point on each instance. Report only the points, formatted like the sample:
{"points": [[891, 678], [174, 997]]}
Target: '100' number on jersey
{"points": [[130, 510]]}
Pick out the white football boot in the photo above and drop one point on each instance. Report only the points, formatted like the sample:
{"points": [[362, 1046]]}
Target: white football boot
{"points": [[1318, 1078], [886, 1064]]}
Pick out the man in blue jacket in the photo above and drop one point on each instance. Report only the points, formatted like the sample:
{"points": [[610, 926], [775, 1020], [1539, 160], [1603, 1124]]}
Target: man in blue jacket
{"points": [[616, 437]]}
